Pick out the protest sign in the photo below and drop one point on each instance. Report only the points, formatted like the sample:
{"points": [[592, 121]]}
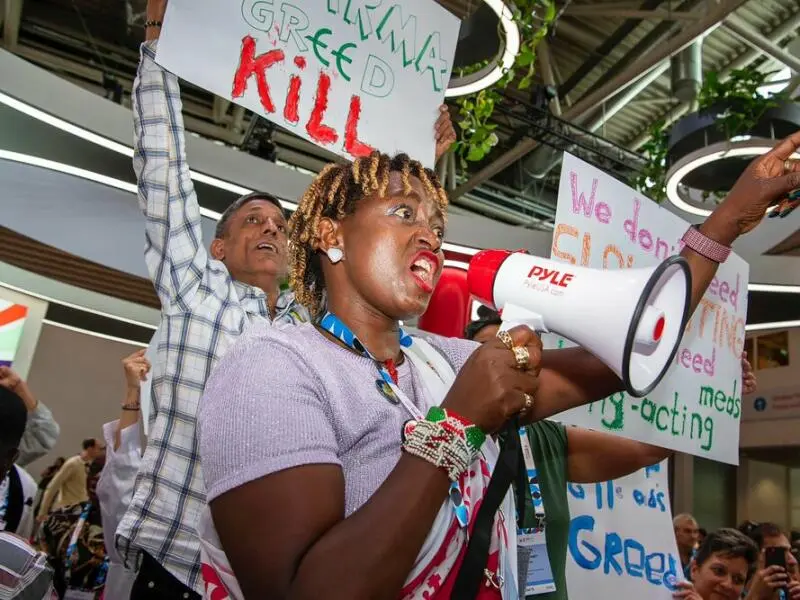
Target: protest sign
{"points": [[349, 76], [621, 539], [602, 223]]}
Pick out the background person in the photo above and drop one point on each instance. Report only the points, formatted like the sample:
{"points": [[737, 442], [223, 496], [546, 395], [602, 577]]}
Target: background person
{"points": [[123, 458], [24, 572], [68, 487], [42, 431], [720, 568]]}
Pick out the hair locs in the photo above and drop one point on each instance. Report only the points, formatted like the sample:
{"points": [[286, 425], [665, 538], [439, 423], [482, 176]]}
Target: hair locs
{"points": [[334, 194]]}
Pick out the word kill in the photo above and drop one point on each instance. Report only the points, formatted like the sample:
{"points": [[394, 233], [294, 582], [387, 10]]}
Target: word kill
{"points": [[365, 20], [251, 65]]}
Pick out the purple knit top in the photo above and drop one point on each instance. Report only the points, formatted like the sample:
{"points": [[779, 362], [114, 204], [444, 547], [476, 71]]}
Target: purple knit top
{"points": [[285, 396]]}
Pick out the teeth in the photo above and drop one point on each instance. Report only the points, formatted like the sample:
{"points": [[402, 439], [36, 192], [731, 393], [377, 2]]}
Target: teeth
{"points": [[423, 264]]}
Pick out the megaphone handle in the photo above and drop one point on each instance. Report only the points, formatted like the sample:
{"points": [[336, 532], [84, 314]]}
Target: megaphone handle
{"points": [[514, 315]]}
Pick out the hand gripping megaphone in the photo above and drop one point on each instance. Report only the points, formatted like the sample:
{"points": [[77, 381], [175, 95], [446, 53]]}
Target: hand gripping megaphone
{"points": [[631, 319]]}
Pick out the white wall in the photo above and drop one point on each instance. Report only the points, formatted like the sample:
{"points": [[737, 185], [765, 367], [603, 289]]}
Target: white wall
{"points": [[764, 492], [80, 378]]}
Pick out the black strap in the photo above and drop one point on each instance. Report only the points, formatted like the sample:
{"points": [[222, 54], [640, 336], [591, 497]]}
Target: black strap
{"points": [[471, 574], [16, 500]]}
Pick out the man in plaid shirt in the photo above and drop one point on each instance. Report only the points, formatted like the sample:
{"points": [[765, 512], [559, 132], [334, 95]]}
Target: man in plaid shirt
{"points": [[207, 301]]}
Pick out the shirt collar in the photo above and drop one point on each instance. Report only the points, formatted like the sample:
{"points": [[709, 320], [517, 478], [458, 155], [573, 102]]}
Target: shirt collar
{"points": [[254, 300]]}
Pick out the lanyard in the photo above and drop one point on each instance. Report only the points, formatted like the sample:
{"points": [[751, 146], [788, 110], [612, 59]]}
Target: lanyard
{"points": [[533, 480], [387, 385]]}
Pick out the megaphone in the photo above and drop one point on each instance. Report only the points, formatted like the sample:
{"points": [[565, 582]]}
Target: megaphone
{"points": [[631, 319]]}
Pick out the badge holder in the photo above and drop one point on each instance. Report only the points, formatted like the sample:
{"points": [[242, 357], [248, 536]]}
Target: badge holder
{"points": [[535, 573]]}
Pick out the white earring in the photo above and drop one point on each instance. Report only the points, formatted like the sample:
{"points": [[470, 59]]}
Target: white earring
{"points": [[335, 255]]}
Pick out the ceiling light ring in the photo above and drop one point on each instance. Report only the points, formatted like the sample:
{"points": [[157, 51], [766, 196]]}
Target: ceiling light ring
{"points": [[694, 160], [502, 62]]}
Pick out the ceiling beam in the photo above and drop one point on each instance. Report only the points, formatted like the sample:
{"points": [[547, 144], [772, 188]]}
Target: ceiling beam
{"points": [[583, 10], [787, 28], [757, 40], [610, 88]]}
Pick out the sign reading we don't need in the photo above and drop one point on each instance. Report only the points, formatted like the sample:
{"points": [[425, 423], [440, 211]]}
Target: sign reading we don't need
{"points": [[602, 223], [348, 75]]}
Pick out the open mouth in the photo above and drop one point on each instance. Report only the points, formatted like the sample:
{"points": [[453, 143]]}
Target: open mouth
{"points": [[268, 247], [424, 268]]}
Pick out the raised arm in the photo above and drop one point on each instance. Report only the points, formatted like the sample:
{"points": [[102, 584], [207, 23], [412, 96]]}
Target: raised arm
{"points": [[174, 251], [41, 431], [573, 377]]}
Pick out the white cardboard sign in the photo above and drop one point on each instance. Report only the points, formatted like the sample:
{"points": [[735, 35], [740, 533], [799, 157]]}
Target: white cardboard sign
{"points": [[621, 540], [347, 75], [602, 223]]}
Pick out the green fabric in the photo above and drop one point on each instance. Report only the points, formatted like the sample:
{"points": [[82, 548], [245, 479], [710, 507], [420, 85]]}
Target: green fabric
{"points": [[549, 445]]}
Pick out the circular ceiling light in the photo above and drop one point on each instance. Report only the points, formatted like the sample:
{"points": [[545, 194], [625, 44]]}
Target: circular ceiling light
{"points": [[491, 73], [715, 152]]}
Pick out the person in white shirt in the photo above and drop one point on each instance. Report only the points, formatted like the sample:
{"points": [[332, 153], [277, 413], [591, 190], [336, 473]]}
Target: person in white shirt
{"points": [[123, 457]]}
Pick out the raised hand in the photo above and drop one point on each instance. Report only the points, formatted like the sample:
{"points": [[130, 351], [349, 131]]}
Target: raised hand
{"points": [[136, 368], [749, 382], [9, 378], [445, 134], [491, 387], [765, 182], [686, 591]]}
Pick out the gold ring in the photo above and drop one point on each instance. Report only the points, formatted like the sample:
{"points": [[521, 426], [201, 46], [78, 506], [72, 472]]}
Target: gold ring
{"points": [[505, 337], [528, 404], [788, 166], [522, 356]]}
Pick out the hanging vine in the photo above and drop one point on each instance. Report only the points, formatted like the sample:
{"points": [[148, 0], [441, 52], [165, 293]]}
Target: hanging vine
{"points": [[477, 137]]}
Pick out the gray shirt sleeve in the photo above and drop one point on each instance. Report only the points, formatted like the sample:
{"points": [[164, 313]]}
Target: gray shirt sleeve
{"points": [[41, 435]]}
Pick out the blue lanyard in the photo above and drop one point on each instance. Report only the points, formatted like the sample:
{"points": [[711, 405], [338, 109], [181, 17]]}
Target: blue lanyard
{"points": [[385, 385]]}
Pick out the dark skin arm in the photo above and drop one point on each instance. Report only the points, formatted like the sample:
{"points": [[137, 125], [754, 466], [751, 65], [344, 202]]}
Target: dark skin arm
{"points": [[594, 456], [303, 509]]}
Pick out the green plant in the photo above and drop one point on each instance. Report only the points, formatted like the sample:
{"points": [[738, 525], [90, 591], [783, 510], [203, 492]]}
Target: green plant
{"points": [[477, 137], [652, 179], [742, 105]]}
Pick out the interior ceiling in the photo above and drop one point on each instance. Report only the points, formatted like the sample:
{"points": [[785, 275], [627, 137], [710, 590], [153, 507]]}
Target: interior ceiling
{"points": [[94, 43]]}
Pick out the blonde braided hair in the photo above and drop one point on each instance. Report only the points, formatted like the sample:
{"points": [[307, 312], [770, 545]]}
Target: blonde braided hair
{"points": [[334, 194]]}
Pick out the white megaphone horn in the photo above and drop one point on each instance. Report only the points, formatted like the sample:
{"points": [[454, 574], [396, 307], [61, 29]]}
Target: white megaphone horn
{"points": [[631, 319]]}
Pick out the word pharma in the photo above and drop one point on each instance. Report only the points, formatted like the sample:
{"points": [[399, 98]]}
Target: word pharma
{"points": [[368, 28]]}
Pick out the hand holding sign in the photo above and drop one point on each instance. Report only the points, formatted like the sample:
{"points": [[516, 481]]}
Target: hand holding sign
{"points": [[765, 182]]}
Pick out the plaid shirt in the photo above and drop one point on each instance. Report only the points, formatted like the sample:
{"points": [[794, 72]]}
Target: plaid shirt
{"points": [[24, 572], [203, 311]]}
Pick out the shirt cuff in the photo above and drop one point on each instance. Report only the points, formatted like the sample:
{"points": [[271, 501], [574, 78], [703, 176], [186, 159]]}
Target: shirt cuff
{"points": [[148, 49]]}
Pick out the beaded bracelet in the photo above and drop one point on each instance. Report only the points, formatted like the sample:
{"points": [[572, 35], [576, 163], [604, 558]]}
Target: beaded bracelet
{"points": [[445, 440]]}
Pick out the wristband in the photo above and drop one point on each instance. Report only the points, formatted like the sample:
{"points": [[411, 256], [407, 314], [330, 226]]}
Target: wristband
{"points": [[152, 24], [445, 440], [705, 246], [135, 407]]}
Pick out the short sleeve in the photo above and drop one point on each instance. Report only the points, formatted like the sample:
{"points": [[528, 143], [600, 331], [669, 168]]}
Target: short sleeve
{"points": [[263, 411]]}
